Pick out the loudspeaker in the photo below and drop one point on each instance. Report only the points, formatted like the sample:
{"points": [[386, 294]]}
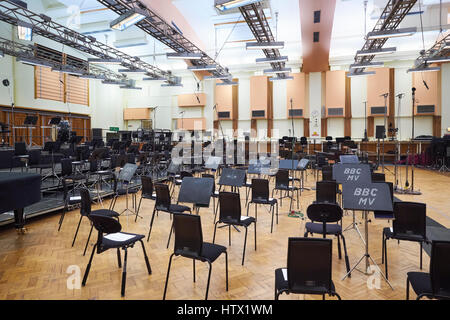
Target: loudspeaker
{"points": [[380, 132]]}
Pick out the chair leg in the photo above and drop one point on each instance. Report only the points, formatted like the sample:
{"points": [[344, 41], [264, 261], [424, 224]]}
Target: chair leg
{"points": [[255, 235], [147, 263], [347, 262], [76, 232], [87, 242], [209, 279], [385, 259], [229, 234], [248, 207], [245, 243], [86, 273], [167, 277], [170, 235], [215, 228], [138, 208], [421, 253], [272, 209], [382, 248], [407, 288], [339, 247], [151, 223], [124, 273], [61, 220], [193, 268], [226, 269], [119, 259], [215, 211]]}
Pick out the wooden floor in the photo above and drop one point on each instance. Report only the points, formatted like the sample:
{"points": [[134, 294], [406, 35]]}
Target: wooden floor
{"points": [[34, 265]]}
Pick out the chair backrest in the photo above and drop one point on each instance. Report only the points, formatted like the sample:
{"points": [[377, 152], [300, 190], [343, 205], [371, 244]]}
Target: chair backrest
{"points": [[378, 177], [309, 264], [282, 178], [188, 235], [439, 270], [20, 149], [105, 224], [147, 186], [260, 189], [326, 191], [85, 209], [206, 175], [65, 189], [162, 196], [230, 207], [93, 165], [66, 167], [327, 173], [184, 174], [113, 161], [409, 218], [324, 212], [34, 157]]}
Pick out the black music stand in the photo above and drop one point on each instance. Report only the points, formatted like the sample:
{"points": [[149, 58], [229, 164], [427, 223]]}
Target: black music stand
{"points": [[52, 147], [347, 159], [126, 176], [74, 140], [30, 122], [233, 178], [196, 191], [367, 197]]}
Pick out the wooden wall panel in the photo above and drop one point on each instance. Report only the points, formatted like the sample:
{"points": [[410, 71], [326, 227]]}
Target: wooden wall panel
{"points": [[259, 94], [191, 124], [377, 85], [296, 91], [423, 95], [348, 107], [190, 100], [48, 84], [77, 90], [306, 127], [335, 93], [224, 99], [136, 114], [235, 113]]}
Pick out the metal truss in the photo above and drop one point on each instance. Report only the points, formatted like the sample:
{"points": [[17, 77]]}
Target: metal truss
{"points": [[159, 29], [257, 22], [42, 25], [440, 49], [392, 16]]}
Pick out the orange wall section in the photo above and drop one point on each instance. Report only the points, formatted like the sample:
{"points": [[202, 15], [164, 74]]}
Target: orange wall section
{"points": [[191, 124], [424, 96], [258, 93], [190, 100], [136, 114], [296, 91], [335, 89], [377, 85], [224, 99]]}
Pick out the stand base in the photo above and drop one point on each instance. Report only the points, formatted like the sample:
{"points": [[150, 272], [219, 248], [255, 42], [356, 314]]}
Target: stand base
{"points": [[407, 191]]}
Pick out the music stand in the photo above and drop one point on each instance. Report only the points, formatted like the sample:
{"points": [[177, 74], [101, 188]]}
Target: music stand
{"points": [[196, 191], [52, 147], [233, 178], [347, 159], [29, 123], [126, 175], [367, 197]]}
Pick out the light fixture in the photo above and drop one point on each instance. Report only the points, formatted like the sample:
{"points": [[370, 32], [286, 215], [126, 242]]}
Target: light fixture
{"points": [[92, 77], [33, 62], [272, 60], [24, 31], [171, 85], [209, 67], [132, 71], [154, 79], [184, 55], [264, 45], [404, 32], [68, 70], [275, 71], [104, 61], [130, 87], [224, 5], [108, 81], [279, 78], [359, 74], [128, 19], [218, 77], [373, 52], [424, 69], [228, 83], [367, 65], [438, 59]]}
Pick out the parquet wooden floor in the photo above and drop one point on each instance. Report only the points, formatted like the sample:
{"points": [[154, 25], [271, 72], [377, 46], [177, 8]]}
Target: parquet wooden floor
{"points": [[34, 265]]}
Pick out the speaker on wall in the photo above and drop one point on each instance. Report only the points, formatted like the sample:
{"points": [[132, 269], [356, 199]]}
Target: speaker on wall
{"points": [[380, 132]]}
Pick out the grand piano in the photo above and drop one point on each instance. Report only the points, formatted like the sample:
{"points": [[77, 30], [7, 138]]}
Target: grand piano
{"points": [[17, 191]]}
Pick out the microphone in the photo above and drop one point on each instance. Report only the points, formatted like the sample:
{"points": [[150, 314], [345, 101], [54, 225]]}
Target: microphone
{"points": [[413, 89], [384, 95], [198, 99], [215, 106], [426, 85], [400, 95]]}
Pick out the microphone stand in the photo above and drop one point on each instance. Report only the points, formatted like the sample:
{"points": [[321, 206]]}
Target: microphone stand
{"points": [[365, 122], [385, 95]]}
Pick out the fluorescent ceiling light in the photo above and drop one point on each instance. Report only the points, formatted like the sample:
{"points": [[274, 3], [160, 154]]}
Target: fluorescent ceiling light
{"points": [[107, 81], [130, 87], [24, 31], [132, 71], [154, 79], [278, 78], [104, 61], [171, 85], [264, 45], [367, 65], [359, 74], [374, 52], [229, 83], [92, 77], [128, 19], [219, 77], [184, 55], [69, 70], [438, 59], [224, 5], [272, 60], [424, 69], [274, 71], [391, 33], [209, 67], [34, 62]]}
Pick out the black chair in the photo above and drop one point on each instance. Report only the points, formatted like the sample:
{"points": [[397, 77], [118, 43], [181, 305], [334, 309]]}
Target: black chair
{"points": [[327, 215], [378, 177], [35, 161], [326, 191], [214, 194], [309, 269], [327, 173], [124, 187], [230, 215], [409, 224], [282, 183], [69, 202], [147, 192], [436, 283], [189, 244], [163, 203], [68, 174], [111, 237], [20, 153], [260, 195], [85, 211]]}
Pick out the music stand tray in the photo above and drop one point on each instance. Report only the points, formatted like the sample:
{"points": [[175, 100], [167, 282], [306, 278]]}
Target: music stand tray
{"points": [[232, 178], [196, 191]]}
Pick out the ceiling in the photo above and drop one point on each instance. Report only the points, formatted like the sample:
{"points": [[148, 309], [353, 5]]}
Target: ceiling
{"points": [[224, 36]]}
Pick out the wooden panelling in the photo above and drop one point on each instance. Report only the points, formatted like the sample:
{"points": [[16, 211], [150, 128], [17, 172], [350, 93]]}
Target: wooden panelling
{"points": [[49, 85], [377, 85], [136, 114], [348, 107], [306, 127], [437, 126], [190, 100], [370, 126], [335, 92], [296, 91], [235, 113], [426, 96], [224, 99], [270, 109], [324, 127], [391, 108], [191, 124], [77, 90], [259, 87]]}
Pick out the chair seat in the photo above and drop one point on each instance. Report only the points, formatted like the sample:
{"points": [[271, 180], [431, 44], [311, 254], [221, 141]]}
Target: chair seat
{"points": [[281, 284], [122, 191], [41, 166], [175, 208], [106, 212], [120, 239], [420, 282], [312, 227], [76, 177], [286, 188], [245, 221], [215, 194], [103, 172], [270, 201], [149, 196], [74, 200], [212, 251], [401, 236]]}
